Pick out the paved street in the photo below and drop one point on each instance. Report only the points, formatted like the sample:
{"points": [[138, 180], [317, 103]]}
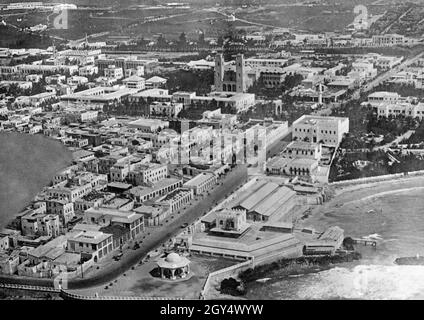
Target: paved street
{"points": [[155, 236]]}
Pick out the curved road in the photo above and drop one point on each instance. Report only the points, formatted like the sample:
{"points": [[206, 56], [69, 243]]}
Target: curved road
{"points": [[159, 235]]}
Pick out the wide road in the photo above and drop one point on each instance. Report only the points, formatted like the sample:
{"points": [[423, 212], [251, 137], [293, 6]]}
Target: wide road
{"points": [[384, 76], [156, 236]]}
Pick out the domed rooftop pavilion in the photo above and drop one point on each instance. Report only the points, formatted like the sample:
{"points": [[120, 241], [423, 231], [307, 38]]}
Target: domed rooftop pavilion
{"points": [[174, 266]]}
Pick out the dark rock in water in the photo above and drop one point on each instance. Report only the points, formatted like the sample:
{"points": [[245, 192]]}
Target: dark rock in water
{"points": [[232, 287], [418, 261]]}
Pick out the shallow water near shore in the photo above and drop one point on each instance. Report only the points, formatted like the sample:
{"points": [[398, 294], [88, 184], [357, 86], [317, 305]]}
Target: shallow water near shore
{"points": [[27, 164], [397, 219]]}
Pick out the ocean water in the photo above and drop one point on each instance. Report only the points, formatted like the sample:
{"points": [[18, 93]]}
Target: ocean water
{"points": [[27, 164], [397, 221]]}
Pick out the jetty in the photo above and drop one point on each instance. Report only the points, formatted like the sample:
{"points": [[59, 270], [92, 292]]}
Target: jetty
{"points": [[365, 242]]}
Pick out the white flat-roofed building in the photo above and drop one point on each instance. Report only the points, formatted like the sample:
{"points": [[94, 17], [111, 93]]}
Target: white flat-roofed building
{"points": [[134, 82], [97, 96], [215, 116], [136, 71], [8, 70], [113, 72], [90, 115], [155, 82], [148, 125], [201, 64], [63, 208], [38, 222], [145, 173], [388, 40], [320, 129], [96, 243], [239, 101], [88, 71], [152, 95], [383, 97], [40, 98], [160, 188], [230, 222], [130, 220], [387, 63], [164, 137], [126, 63], [405, 109], [301, 149], [168, 109], [34, 78], [46, 69], [269, 63], [24, 85], [292, 167], [153, 214], [177, 198], [78, 186], [81, 57], [201, 183], [76, 80]]}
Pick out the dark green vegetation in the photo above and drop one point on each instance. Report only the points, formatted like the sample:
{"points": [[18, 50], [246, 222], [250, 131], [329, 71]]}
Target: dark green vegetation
{"points": [[403, 90], [343, 167], [232, 287], [410, 24], [417, 137], [262, 91], [199, 82], [387, 51], [356, 146], [16, 39]]}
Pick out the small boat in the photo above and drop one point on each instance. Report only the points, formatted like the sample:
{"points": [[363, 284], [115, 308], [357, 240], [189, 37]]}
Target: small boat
{"points": [[371, 211], [417, 260], [263, 280], [374, 236]]}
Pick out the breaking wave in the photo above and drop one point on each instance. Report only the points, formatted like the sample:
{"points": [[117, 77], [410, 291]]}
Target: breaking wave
{"points": [[371, 282]]}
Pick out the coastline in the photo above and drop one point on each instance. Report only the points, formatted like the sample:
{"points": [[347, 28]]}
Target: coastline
{"points": [[24, 177], [291, 268], [359, 192]]}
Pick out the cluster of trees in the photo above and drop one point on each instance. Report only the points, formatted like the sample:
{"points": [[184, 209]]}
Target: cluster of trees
{"points": [[417, 136], [290, 111], [198, 81], [127, 108], [391, 125], [352, 141], [358, 115], [261, 89], [343, 167], [195, 110], [15, 91], [403, 90]]}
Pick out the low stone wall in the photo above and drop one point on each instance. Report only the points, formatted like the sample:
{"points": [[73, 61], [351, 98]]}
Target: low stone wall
{"points": [[218, 275], [28, 287], [385, 177], [73, 296]]}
